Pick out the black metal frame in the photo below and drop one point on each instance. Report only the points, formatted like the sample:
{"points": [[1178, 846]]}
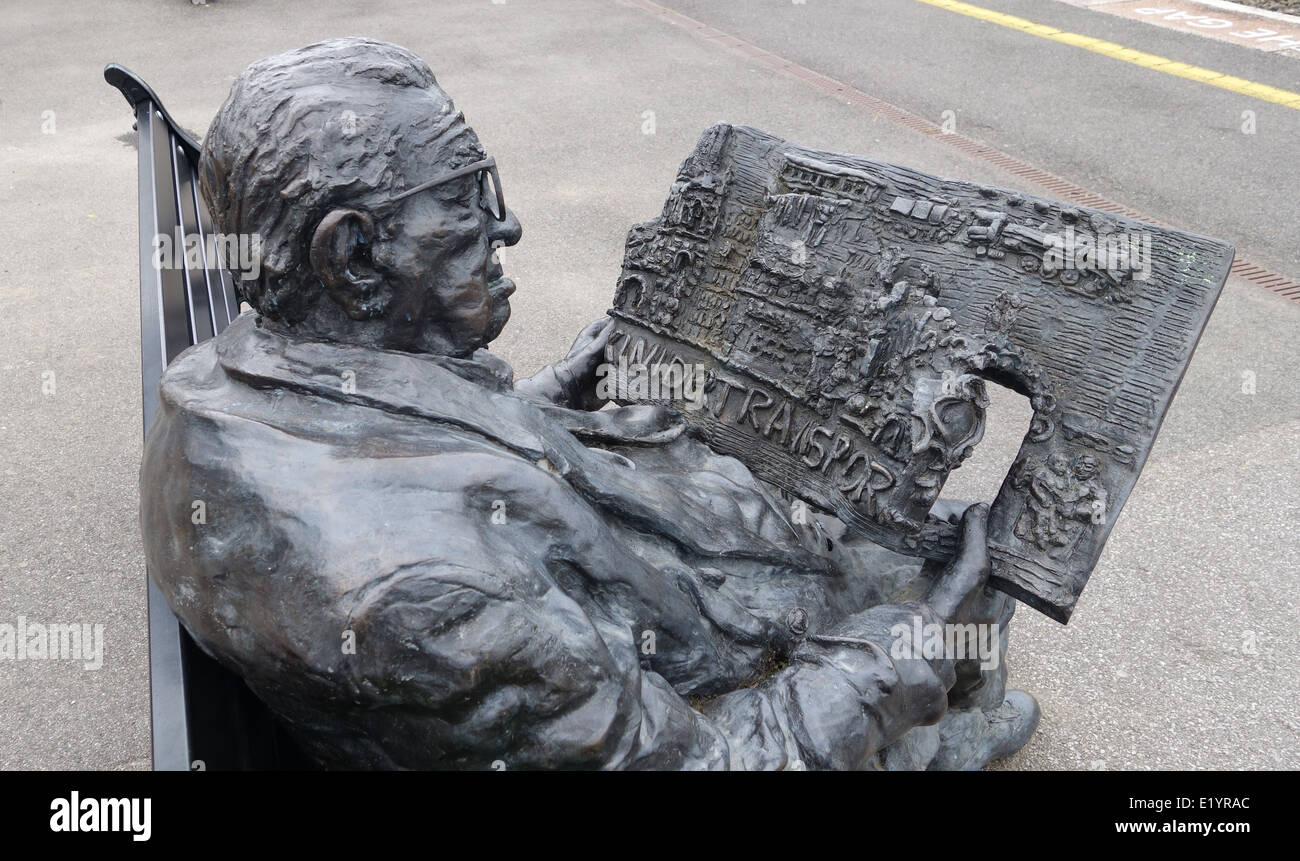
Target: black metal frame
{"points": [[204, 716]]}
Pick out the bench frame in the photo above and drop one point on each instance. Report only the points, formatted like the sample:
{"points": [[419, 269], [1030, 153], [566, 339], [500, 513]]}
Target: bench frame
{"points": [[203, 716]]}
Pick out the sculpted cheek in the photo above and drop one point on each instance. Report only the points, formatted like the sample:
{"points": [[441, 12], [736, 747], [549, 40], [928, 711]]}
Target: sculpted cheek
{"points": [[470, 304]]}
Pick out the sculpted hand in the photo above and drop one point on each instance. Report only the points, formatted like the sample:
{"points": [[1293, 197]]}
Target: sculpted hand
{"points": [[571, 381], [958, 593], [577, 370], [588, 350], [961, 594]]}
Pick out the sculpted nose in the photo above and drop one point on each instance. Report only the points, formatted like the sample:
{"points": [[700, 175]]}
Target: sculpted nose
{"points": [[506, 232]]}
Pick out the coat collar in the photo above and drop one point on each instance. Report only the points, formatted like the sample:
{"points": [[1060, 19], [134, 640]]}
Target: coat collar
{"points": [[474, 396]]}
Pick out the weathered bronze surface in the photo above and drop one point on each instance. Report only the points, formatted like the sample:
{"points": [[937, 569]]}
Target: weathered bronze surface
{"points": [[417, 561], [844, 315]]}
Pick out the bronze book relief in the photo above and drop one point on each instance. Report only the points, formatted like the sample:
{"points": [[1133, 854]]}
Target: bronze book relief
{"points": [[831, 321]]}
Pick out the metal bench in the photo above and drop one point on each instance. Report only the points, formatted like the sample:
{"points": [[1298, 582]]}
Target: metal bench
{"points": [[203, 716]]}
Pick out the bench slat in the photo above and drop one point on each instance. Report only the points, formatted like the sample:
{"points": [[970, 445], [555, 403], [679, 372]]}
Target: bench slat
{"points": [[177, 333], [170, 721], [221, 288], [202, 326]]}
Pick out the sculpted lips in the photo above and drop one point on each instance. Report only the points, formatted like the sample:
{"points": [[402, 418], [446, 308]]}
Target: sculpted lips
{"points": [[500, 289]]}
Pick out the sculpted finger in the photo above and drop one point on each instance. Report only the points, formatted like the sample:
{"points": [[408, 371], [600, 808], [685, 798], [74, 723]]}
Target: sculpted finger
{"points": [[950, 510], [596, 328], [592, 338], [972, 559]]}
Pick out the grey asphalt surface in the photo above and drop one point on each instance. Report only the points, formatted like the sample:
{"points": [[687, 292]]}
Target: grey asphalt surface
{"points": [[1168, 147], [1183, 652]]}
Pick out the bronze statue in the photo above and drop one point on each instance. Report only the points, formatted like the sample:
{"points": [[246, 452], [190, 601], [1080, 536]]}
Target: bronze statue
{"points": [[418, 562]]}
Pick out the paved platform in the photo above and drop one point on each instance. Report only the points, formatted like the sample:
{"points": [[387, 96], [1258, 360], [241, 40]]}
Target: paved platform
{"points": [[1183, 652]]}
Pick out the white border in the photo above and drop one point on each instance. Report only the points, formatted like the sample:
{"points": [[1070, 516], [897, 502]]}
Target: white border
{"points": [[1248, 10]]}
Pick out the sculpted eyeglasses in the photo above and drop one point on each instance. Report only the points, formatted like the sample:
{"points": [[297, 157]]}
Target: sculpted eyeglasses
{"points": [[489, 186]]}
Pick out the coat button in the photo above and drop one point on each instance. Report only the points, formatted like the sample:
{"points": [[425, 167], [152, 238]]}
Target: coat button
{"points": [[713, 577], [797, 621]]}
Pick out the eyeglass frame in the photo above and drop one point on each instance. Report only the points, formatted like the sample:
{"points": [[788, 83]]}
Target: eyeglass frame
{"points": [[488, 165]]}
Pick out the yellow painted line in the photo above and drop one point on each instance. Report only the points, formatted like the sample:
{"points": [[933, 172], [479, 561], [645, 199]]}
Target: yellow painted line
{"points": [[1128, 55]]}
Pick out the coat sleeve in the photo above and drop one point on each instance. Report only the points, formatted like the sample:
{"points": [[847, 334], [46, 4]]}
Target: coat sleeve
{"points": [[468, 669], [842, 698]]}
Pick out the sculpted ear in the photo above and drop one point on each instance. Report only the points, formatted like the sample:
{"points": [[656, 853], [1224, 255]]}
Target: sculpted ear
{"points": [[340, 256]]}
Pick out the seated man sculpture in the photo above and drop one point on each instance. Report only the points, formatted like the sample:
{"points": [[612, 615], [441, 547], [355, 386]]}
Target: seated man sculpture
{"points": [[417, 562]]}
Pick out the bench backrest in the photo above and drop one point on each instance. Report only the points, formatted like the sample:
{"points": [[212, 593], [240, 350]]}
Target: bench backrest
{"points": [[203, 716]]}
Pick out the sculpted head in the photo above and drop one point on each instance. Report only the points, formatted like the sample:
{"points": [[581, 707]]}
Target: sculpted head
{"points": [[376, 206]]}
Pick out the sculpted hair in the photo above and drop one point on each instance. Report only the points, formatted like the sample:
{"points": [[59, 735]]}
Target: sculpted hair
{"points": [[301, 133]]}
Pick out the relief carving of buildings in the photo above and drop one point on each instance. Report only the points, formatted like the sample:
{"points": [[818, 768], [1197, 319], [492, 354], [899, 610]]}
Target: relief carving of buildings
{"points": [[850, 313]]}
